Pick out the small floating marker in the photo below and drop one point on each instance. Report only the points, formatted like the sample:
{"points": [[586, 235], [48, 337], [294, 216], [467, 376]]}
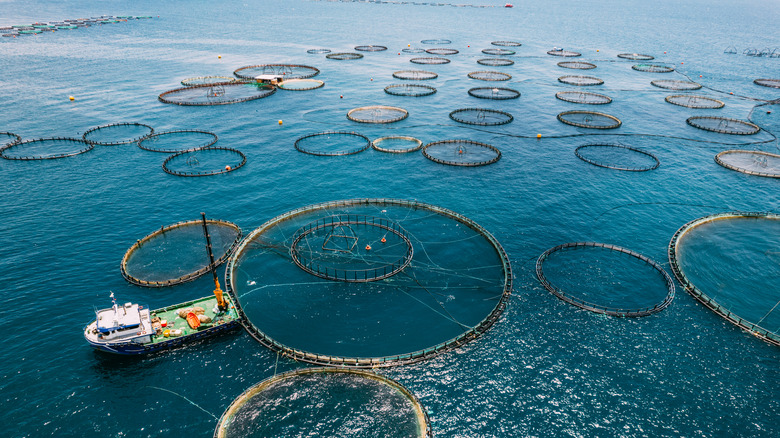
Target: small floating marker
{"points": [[597, 50], [219, 56], [383, 240], [368, 247], [71, 98], [538, 135], [372, 79], [341, 96], [408, 45], [700, 76], [468, 46], [664, 53], [769, 112], [731, 92], [228, 168], [682, 63], [280, 122]]}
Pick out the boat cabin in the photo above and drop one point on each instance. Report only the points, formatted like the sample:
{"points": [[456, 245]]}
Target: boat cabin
{"points": [[127, 321], [269, 79]]}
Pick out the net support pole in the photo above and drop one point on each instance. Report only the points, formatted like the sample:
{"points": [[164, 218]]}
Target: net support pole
{"points": [[217, 291]]}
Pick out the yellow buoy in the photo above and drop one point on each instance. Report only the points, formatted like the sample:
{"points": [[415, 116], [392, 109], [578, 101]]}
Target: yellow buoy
{"points": [[219, 56], [538, 135], [71, 98], [280, 122], [408, 45]]}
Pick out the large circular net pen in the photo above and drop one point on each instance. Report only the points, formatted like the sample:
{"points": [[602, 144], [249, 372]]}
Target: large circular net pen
{"points": [[728, 262], [413, 90], [617, 157], [413, 50], [495, 93], [490, 76], [495, 62], [751, 162], [377, 114], [577, 65], [415, 75], [370, 48], [481, 116], [465, 153], [723, 125], [499, 52], [691, 101], [217, 94], [288, 71], [506, 43], [204, 162], [453, 289], [204, 80], [771, 83], [116, 134], [177, 141], [589, 119], [397, 144], [344, 56], [177, 253], [672, 84], [300, 84], [332, 143], [441, 51], [636, 56], [433, 60], [329, 402], [605, 279], [583, 97], [564, 53], [653, 68], [45, 149], [582, 81]]}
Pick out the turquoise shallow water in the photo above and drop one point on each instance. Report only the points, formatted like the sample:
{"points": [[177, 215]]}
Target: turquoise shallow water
{"points": [[546, 368]]}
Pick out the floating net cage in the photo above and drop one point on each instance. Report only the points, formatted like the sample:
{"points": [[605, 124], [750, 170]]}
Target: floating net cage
{"points": [[332, 143], [605, 279], [115, 134], [691, 101], [490, 76], [300, 84], [499, 52], [771, 83], [377, 114], [430, 60], [436, 41], [636, 56], [589, 119], [413, 90], [370, 48], [217, 94], [453, 289], [495, 93], [723, 125], [413, 50], [318, 51], [8, 139], [722, 260], [415, 75], [204, 162], [583, 97], [289, 71], [177, 141], [495, 62], [45, 149], [653, 68], [617, 157], [440, 51], [325, 402], [671, 84], [344, 56], [577, 65], [397, 144], [581, 81], [465, 153], [506, 43], [206, 80], [481, 116], [751, 162], [177, 253], [564, 53]]}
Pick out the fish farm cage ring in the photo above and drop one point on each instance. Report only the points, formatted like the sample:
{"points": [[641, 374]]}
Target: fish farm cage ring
{"points": [[204, 162], [490, 76], [636, 56], [439, 51], [589, 119], [721, 258], [430, 60], [723, 125], [328, 248], [495, 93], [653, 68], [45, 149], [318, 51], [617, 157], [750, 162], [438, 303], [604, 269], [495, 62], [481, 116], [691, 101], [116, 134], [344, 56], [377, 114], [564, 53], [506, 43], [436, 41], [300, 84], [581, 81], [176, 254], [671, 84], [465, 153], [499, 52], [177, 141], [8, 139], [205, 80], [771, 83], [413, 90], [583, 97], [370, 48], [415, 75], [397, 144], [222, 93], [332, 143], [413, 50], [577, 65], [288, 71], [325, 402]]}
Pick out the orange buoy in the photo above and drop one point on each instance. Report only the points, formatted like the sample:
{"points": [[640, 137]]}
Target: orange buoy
{"points": [[368, 247], [383, 240], [538, 135], [228, 168]]}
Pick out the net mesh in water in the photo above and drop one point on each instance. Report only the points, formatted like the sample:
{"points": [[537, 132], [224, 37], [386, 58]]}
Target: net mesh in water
{"points": [[217, 94], [45, 149], [115, 134], [653, 68], [430, 60], [490, 76], [397, 144], [723, 125], [288, 71], [499, 52], [583, 97], [564, 53], [636, 56], [177, 141], [461, 153], [204, 80], [577, 65], [691, 101], [300, 84], [441, 51], [413, 90], [481, 116], [204, 162], [318, 51], [377, 114], [617, 157], [589, 119], [495, 93], [506, 43], [344, 56], [751, 162], [332, 143], [582, 81], [495, 62], [370, 48], [672, 84], [436, 41], [415, 75]]}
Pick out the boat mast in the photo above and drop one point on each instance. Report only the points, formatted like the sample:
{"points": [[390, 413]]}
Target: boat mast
{"points": [[218, 291]]}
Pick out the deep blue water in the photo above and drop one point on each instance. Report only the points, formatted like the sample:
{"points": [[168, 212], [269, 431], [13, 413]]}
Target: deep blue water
{"points": [[546, 368]]}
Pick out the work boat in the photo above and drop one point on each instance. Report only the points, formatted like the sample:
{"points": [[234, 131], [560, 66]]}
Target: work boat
{"points": [[135, 329]]}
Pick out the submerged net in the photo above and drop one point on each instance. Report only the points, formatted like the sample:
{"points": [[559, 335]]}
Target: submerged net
{"points": [[496, 93], [116, 134], [481, 116], [177, 141], [691, 101], [413, 50], [332, 143], [413, 90], [204, 80], [453, 290], [589, 119], [671, 84], [490, 76], [325, 402], [45, 149], [500, 52], [583, 97], [617, 157], [288, 71], [217, 94], [461, 153], [445, 52], [771, 83], [318, 51], [723, 125], [436, 41], [506, 43], [344, 56], [397, 144], [653, 68], [300, 84], [177, 253], [636, 56], [370, 48], [430, 60], [564, 53], [377, 114], [415, 75], [751, 162], [605, 279], [204, 162], [495, 62], [577, 65], [581, 81]]}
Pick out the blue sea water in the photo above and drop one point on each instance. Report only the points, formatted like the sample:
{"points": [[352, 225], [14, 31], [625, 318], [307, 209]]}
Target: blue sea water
{"points": [[546, 368]]}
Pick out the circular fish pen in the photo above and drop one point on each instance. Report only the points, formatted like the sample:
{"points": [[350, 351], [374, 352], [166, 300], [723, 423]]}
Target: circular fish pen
{"points": [[45, 149], [206, 80], [430, 60], [580, 81], [583, 97], [415, 75], [506, 43], [177, 253], [617, 157], [370, 48], [222, 93], [397, 144], [723, 125], [577, 65], [440, 51], [344, 56], [771, 83], [589, 119], [465, 153], [672, 84], [495, 93], [606, 279], [177, 141], [318, 51], [204, 162], [636, 56], [116, 134], [750, 162], [481, 116], [653, 68], [454, 288], [495, 62], [412, 90], [377, 114], [691, 101], [288, 71], [325, 402], [722, 260], [300, 84], [436, 41], [332, 143], [413, 50], [490, 76], [499, 52], [564, 53]]}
